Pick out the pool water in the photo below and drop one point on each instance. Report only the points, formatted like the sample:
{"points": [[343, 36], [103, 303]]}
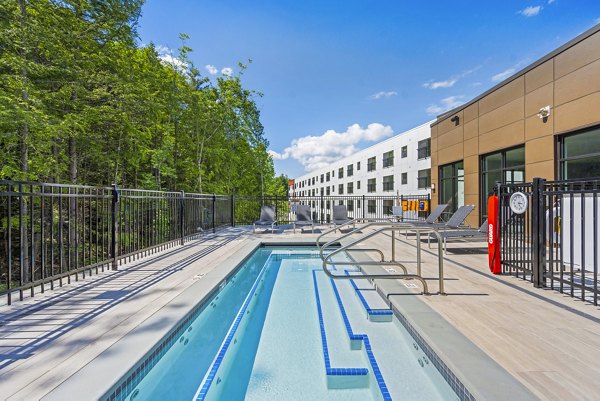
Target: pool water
{"points": [[283, 330]]}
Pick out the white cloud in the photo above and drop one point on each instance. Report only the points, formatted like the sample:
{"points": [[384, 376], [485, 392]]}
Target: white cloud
{"points": [[173, 61], [162, 50], [501, 76], [314, 152], [446, 104], [598, 20], [551, 1], [530, 11], [382, 94], [212, 70], [227, 71], [440, 84]]}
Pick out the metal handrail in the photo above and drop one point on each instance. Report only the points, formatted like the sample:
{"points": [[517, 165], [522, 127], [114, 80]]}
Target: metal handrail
{"points": [[386, 227]]}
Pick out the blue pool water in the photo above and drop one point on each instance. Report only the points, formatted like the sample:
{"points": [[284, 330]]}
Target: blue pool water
{"points": [[282, 330]]}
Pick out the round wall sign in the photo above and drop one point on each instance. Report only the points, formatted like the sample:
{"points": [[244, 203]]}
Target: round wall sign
{"points": [[518, 202]]}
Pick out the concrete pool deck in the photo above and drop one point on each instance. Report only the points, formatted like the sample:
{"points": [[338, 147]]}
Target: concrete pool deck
{"points": [[547, 341]]}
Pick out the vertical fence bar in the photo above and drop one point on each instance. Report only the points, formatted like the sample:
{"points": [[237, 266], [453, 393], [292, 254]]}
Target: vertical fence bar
{"points": [[113, 237], [232, 210], [9, 253], [181, 217], [214, 200], [539, 247]]}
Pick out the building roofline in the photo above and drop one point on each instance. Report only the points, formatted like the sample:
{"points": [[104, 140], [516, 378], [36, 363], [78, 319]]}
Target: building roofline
{"points": [[428, 124], [552, 54]]}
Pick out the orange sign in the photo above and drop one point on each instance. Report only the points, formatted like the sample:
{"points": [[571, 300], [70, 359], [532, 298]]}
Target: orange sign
{"points": [[415, 206]]}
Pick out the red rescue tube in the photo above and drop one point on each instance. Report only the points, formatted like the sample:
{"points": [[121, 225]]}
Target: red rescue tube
{"points": [[493, 235]]}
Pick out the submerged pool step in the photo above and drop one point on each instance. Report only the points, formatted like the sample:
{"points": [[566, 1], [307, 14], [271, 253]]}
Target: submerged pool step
{"points": [[376, 308]]}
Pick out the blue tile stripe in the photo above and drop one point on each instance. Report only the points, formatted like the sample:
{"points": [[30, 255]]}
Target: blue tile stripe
{"points": [[376, 371], [329, 371], [370, 311], [202, 391]]}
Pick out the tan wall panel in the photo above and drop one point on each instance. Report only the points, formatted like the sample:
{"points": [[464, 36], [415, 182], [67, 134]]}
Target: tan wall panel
{"points": [[579, 83], [471, 199], [536, 127], [501, 138], [450, 138], [539, 76], [541, 169], [539, 150], [471, 129], [446, 125], [471, 168], [434, 145], [502, 116], [450, 154], [578, 113], [471, 147], [502, 95], [537, 99], [471, 112], [434, 131], [577, 56], [473, 219]]}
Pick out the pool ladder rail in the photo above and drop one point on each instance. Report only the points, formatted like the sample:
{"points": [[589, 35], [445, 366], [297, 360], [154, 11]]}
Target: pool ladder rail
{"points": [[385, 225]]}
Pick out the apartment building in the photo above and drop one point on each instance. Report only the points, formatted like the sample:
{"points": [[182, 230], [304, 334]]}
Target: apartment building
{"points": [[400, 165], [544, 121]]}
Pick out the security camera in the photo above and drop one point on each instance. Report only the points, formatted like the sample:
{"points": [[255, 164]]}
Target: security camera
{"points": [[544, 112]]}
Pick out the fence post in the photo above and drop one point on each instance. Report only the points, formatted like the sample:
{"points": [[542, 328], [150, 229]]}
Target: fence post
{"points": [[232, 210], [182, 217], [322, 217], [538, 229], [214, 227], [114, 231], [364, 206], [276, 218]]}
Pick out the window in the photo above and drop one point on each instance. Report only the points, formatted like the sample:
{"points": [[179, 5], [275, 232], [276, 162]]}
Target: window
{"points": [[357, 184], [328, 191], [424, 178], [350, 188], [341, 172], [333, 173], [506, 166], [322, 191], [313, 180], [371, 185], [404, 151], [350, 170], [371, 164], [322, 176], [333, 188], [371, 206], [327, 177], [350, 205], [388, 183], [357, 166], [388, 159], [313, 192], [341, 189], [579, 155], [387, 206], [424, 149], [404, 178], [452, 186]]}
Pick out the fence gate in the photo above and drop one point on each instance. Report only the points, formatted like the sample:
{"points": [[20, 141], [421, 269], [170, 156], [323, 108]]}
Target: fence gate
{"points": [[555, 242]]}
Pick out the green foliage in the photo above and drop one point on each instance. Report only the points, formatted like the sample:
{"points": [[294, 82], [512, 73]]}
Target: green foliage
{"points": [[82, 102]]}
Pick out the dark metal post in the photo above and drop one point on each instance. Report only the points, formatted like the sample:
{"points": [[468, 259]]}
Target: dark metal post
{"points": [[232, 210], [364, 206], [538, 222], [214, 201], [181, 217], [322, 209], [276, 217], [114, 239]]}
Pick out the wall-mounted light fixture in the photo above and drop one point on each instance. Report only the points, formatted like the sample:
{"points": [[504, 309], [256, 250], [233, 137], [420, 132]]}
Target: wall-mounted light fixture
{"points": [[433, 187], [455, 120], [544, 113]]}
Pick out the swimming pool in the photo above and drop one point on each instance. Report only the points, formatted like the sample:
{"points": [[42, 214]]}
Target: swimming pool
{"points": [[280, 329]]}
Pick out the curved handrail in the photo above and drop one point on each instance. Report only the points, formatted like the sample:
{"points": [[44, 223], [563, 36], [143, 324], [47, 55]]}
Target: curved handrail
{"points": [[387, 227]]}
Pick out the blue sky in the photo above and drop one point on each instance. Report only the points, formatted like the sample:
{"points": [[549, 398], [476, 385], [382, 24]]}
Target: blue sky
{"points": [[340, 75]]}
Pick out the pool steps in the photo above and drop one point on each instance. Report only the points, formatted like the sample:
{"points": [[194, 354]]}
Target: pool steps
{"points": [[369, 296]]}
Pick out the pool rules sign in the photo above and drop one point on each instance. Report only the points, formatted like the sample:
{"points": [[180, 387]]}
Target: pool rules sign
{"points": [[493, 235]]}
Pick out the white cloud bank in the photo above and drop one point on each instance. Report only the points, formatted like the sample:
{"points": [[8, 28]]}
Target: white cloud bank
{"points": [[440, 84], [227, 71], [531, 11], [212, 70], [383, 95], [314, 152], [501, 76], [446, 104]]}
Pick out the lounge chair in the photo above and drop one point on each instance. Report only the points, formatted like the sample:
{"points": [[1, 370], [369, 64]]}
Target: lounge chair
{"points": [[463, 234], [454, 222], [340, 215], [303, 218], [433, 216], [267, 218]]}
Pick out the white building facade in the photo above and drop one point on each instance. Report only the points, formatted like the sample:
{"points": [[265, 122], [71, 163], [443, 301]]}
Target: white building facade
{"points": [[398, 167]]}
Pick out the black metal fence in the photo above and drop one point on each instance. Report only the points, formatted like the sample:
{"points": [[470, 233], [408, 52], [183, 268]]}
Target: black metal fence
{"points": [[415, 207], [53, 233], [555, 242]]}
